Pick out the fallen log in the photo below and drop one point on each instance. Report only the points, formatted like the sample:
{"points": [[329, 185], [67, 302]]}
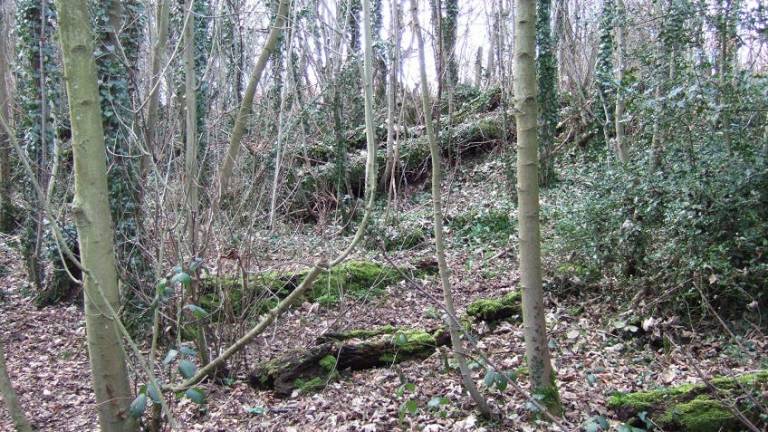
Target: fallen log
{"points": [[258, 293], [709, 407], [306, 370], [478, 133]]}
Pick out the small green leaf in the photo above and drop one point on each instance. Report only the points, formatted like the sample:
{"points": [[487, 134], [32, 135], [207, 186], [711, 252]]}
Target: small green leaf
{"points": [[603, 422], [170, 356], [187, 368], [195, 395], [411, 387], [138, 406], [591, 379], [182, 278], [436, 402], [188, 351], [490, 378], [257, 410], [400, 339], [410, 406], [153, 393]]}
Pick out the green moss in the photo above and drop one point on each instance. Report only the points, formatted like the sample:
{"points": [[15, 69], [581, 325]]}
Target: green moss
{"points": [[387, 358], [367, 334], [309, 386], [491, 309], [353, 278], [264, 290], [549, 397], [699, 415], [688, 407], [416, 341], [328, 363]]}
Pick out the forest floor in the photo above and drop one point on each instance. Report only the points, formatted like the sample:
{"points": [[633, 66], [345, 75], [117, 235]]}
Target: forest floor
{"points": [[593, 354]]}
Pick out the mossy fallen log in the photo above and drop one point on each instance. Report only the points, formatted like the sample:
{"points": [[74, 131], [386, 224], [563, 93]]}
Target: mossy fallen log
{"points": [[317, 184], [698, 407], [495, 309], [258, 293], [311, 369]]}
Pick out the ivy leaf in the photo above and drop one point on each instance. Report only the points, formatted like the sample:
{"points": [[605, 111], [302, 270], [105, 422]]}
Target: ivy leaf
{"points": [[182, 278], [153, 393], [195, 395], [188, 351], [187, 368], [170, 356], [138, 406], [490, 378]]}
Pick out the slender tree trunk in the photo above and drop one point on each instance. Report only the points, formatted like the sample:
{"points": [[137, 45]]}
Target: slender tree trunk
{"points": [[190, 120], [621, 17], [6, 205], [536, 344], [158, 49], [9, 396], [284, 89], [243, 115], [93, 218], [437, 213], [389, 172]]}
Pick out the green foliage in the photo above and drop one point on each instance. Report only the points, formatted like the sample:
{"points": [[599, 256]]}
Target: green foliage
{"points": [[546, 70], [485, 225], [696, 223]]}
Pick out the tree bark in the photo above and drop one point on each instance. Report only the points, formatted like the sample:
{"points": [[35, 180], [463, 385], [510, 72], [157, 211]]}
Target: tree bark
{"points": [[9, 397], [437, 214], [536, 344], [621, 17], [161, 39], [93, 219], [6, 205], [243, 115]]}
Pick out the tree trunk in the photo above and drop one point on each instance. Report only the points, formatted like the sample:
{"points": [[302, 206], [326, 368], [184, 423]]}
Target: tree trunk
{"points": [[621, 17], [9, 396], [158, 49], [437, 214], [243, 115], [93, 218], [6, 205], [536, 343]]}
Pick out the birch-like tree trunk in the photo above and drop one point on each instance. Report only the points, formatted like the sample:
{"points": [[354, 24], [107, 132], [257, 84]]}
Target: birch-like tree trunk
{"points": [[437, 215], [535, 331], [93, 219]]}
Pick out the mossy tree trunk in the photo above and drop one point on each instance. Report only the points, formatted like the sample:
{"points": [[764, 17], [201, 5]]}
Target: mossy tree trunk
{"points": [[437, 213], [536, 344], [93, 218]]}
